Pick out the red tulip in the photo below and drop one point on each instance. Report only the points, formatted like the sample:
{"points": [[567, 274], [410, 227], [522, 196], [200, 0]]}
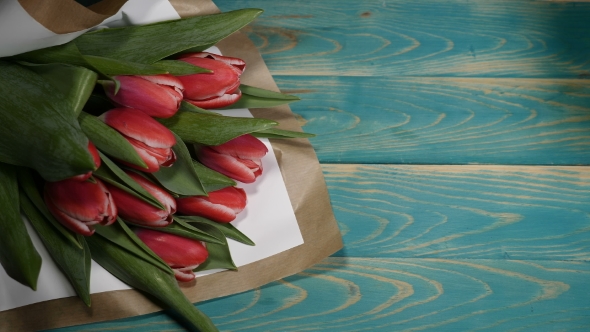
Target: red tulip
{"points": [[182, 254], [158, 96], [137, 211], [240, 158], [216, 89], [79, 205], [151, 140], [221, 205], [95, 157]]}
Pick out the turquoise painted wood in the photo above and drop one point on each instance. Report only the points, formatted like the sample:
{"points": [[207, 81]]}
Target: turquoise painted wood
{"points": [[422, 38], [462, 212], [391, 85], [396, 294], [425, 120]]}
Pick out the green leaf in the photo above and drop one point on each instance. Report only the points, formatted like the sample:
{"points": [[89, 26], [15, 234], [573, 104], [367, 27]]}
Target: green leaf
{"points": [[73, 261], [38, 126], [259, 98], [111, 67], [180, 228], [112, 174], [65, 53], [209, 129], [180, 178], [226, 228], [188, 107], [29, 187], [75, 83], [70, 54], [108, 140], [280, 133], [18, 255], [120, 234], [150, 43], [179, 68], [211, 179], [146, 277], [219, 254]]}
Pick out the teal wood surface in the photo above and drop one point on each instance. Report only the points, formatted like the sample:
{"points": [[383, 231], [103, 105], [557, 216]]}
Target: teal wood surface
{"points": [[397, 294], [451, 246], [422, 120], [422, 38], [473, 212]]}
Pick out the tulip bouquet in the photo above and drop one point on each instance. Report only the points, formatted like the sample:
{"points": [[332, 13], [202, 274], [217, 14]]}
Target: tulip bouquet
{"points": [[109, 148]]}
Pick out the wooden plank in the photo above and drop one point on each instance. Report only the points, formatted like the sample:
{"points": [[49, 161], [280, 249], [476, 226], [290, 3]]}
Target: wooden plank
{"points": [[422, 38], [427, 120], [475, 212], [396, 294]]}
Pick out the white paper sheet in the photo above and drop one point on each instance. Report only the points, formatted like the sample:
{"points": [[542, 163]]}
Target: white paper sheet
{"points": [[268, 219]]}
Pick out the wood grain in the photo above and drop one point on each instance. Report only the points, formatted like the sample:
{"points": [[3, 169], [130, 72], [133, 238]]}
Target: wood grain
{"points": [[475, 212], [396, 294], [444, 120], [422, 38]]}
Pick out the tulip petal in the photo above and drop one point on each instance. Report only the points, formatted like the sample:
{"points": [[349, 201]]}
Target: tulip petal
{"points": [[202, 86], [133, 209], [237, 63], [139, 126], [221, 205], [218, 102], [79, 205], [159, 193], [151, 161], [243, 147], [164, 80], [226, 165], [94, 152], [144, 93], [72, 224], [184, 275], [180, 253], [84, 201], [198, 206]]}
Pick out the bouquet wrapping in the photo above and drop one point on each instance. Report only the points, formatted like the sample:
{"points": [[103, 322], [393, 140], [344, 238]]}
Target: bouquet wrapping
{"points": [[299, 167]]}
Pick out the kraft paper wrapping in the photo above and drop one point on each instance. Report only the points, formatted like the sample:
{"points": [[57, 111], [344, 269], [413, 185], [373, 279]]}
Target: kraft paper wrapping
{"points": [[299, 166]]}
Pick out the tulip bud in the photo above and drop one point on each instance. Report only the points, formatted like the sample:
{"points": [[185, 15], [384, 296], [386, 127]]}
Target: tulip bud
{"points": [[94, 152], [240, 158], [158, 96], [216, 89], [221, 205], [137, 211], [182, 254], [79, 205], [151, 140]]}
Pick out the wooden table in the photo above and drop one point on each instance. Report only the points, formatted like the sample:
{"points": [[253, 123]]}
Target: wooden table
{"points": [[453, 136]]}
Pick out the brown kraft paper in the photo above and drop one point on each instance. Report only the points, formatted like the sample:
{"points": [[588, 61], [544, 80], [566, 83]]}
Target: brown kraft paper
{"points": [[305, 185]]}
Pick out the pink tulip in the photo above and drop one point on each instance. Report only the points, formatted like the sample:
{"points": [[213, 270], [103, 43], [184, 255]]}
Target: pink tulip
{"points": [[240, 158], [151, 140], [80, 205], [137, 211], [221, 205], [216, 89], [158, 96], [94, 152], [182, 254]]}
